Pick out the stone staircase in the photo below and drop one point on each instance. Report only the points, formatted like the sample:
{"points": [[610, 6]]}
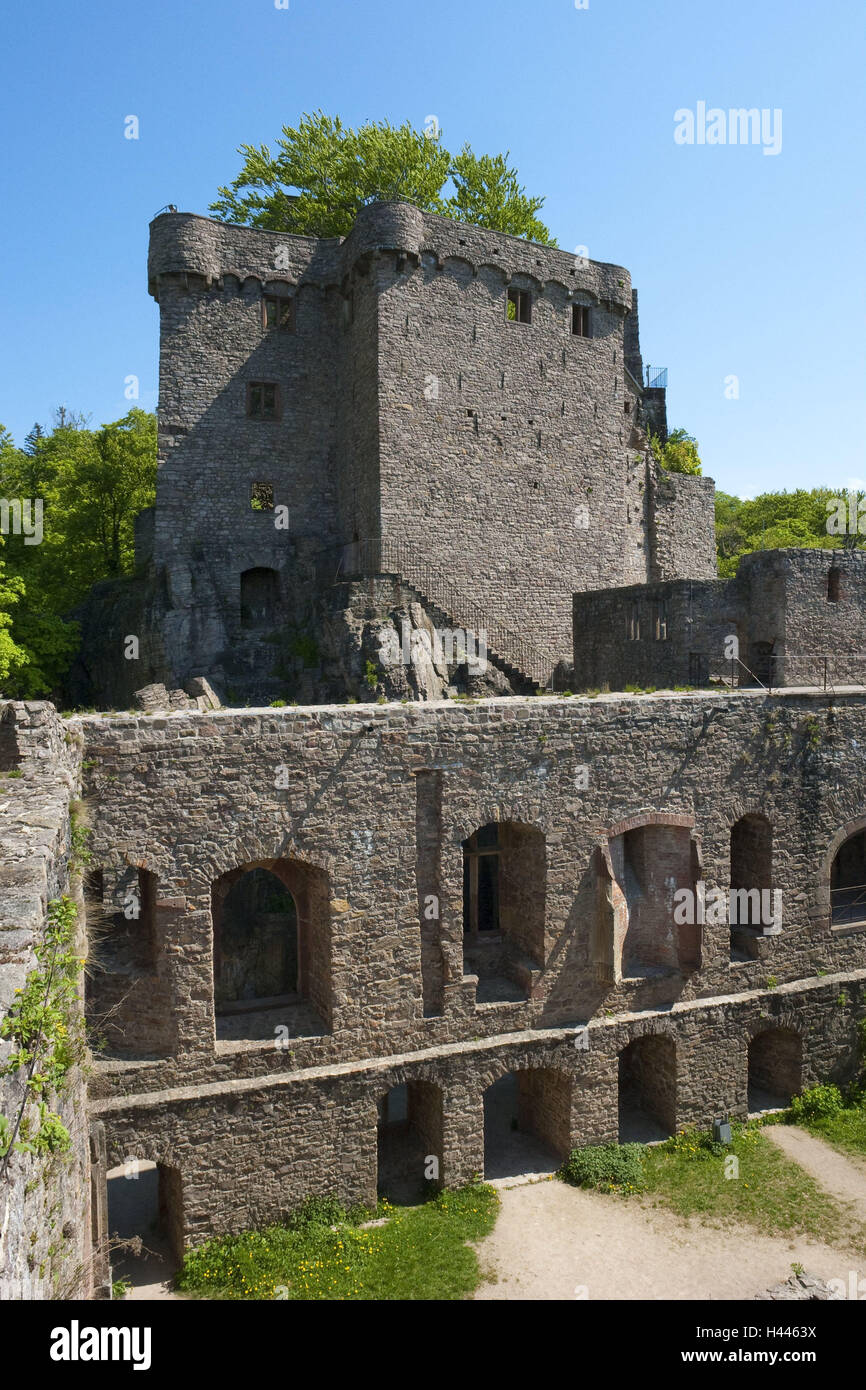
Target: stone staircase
{"points": [[526, 667]]}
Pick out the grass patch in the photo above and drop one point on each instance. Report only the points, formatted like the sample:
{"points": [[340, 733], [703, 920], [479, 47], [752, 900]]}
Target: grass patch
{"points": [[771, 1192], [846, 1130], [321, 1253], [825, 1112]]}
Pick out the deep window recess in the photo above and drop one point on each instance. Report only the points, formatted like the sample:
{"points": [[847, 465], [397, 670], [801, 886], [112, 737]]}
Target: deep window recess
{"points": [[262, 497], [518, 306], [580, 323]]}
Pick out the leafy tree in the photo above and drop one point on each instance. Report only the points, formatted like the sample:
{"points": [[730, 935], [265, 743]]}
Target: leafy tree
{"points": [[489, 194], [324, 172], [13, 658], [776, 520], [91, 484], [678, 454]]}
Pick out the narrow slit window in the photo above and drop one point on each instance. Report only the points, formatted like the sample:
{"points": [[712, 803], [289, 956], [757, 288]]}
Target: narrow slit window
{"points": [[518, 306], [834, 584], [580, 322], [661, 621], [634, 623]]}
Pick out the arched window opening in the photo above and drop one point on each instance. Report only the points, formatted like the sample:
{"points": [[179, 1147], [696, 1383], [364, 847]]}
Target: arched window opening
{"points": [[272, 952], [848, 882], [258, 942], [654, 932]]}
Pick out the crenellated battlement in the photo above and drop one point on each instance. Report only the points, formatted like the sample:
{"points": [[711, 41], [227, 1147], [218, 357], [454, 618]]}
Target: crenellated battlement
{"points": [[187, 244]]}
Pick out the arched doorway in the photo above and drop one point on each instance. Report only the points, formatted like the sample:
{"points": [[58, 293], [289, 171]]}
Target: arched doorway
{"points": [[409, 1140], [527, 1123], [648, 1090], [145, 1224]]}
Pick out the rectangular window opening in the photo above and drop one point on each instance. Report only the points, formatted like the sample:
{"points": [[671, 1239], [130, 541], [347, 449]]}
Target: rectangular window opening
{"points": [[518, 306], [278, 312], [580, 324], [262, 497], [263, 400]]}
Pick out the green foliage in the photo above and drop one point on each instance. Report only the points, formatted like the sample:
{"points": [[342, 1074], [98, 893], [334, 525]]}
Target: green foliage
{"points": [[694, 1144], [91, 483], [45, 1029], [13, 656], [304, 646], [678, 454], [316, 1211], [488, 193], [816, 1103], [775, 520], [812, 732], [78, 833], [323, 172], [371, 674], [606, 1167], [321, 1253]]}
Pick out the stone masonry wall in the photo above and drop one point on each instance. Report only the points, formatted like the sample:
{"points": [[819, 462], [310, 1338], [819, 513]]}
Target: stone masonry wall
{"points": [[778, 604], [506, 455], [191, 796], [45, 1200]]}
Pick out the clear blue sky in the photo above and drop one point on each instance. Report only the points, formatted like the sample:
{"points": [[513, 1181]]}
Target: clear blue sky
{"points": [[747, 264]]}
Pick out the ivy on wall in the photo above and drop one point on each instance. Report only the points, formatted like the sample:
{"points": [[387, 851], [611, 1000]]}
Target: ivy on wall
{"points": [[46, 1029]]}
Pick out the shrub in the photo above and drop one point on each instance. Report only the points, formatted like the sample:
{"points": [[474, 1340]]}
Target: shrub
{"points": [[817, 1103], [693, 1143], [606, 1167], [316, 1211]]}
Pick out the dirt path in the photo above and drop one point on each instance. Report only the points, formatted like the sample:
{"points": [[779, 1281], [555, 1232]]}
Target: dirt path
{"points": [[552, 1241], [843, 1177]]}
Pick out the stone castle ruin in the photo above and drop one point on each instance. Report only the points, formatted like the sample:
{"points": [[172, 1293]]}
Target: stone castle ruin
{"points": [[379, 939]]}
